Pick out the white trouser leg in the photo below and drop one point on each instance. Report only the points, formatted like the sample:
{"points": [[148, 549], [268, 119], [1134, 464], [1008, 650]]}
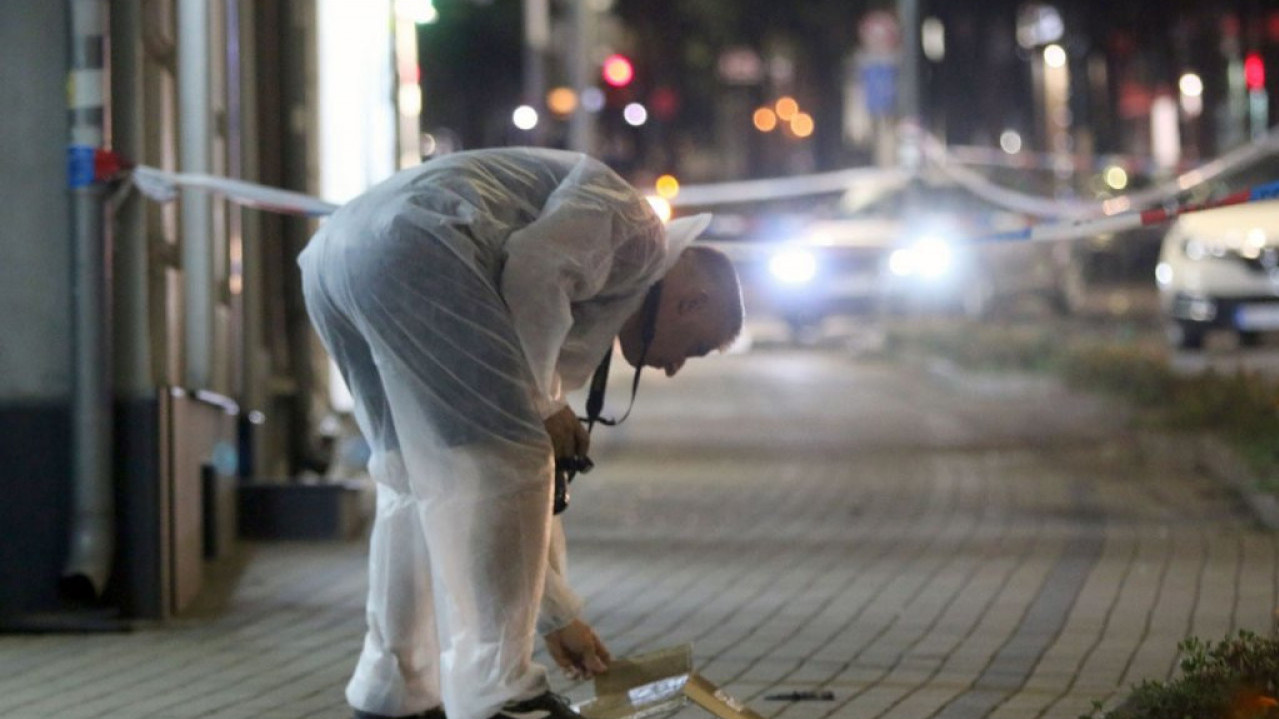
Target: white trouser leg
{"points": [[398, 670], [488, 556]]}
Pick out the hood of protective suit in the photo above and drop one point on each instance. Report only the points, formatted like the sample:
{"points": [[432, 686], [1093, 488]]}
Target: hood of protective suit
{"points": [[680, 233]]}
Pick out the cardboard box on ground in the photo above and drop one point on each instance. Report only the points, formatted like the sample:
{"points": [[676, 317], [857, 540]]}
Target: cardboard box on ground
{"points": [[657, 682]]}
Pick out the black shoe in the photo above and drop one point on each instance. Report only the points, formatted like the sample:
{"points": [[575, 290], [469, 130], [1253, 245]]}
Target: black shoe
{"points": [[545, 706], [436, 713]]}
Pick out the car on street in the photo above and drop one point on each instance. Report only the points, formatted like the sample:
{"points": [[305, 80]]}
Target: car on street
{"points": [[938, 260], [1219, 270]]}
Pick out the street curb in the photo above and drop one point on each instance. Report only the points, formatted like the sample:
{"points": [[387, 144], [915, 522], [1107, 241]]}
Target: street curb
{"points": [[1218, 460]]}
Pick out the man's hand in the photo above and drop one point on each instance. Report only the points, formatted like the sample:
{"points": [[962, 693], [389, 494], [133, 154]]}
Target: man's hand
{"points": [[578, 651], [568, 436]]}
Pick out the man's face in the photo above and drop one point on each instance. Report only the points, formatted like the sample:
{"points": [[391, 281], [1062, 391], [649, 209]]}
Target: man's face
{"points": [[687, 327]]}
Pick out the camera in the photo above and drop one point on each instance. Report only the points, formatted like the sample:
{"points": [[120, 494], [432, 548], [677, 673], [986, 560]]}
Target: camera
{"points": [[565, 469]]}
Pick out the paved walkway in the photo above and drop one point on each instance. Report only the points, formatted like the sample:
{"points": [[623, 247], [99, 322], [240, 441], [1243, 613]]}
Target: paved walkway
{"points": [[921, 547]]}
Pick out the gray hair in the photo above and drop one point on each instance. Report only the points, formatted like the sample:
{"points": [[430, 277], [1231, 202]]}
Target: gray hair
{"points": [[725, 287]]}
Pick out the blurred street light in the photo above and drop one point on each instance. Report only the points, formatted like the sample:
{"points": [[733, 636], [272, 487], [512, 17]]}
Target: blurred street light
{"points": [[1116, 177], [1192, 89], [561, 101], [933, 39], [524, 117], [618, 71], [786, 108], [1010, 142], [592, 99], [1254, 72], [667, 186], [1191, 85], [635, 114], [765, 119], [1055, 56], [801, 124], [1254, 79], [1038, 25]]}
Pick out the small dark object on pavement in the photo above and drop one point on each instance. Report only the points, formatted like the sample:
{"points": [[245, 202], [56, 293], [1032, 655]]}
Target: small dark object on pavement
{"points": [[805, 696]]}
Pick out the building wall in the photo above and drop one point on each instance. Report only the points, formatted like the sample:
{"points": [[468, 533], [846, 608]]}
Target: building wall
{"points": [[35, 302], [35, 321]]}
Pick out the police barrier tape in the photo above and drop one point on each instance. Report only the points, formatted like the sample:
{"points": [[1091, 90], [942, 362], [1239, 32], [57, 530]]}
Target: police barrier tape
{"points": [[1128, 220], [1086, 219], [1243, 156], [163, 186]]}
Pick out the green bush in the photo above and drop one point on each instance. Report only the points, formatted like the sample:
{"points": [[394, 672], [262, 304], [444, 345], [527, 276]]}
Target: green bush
{"points": [[1234, 679]]}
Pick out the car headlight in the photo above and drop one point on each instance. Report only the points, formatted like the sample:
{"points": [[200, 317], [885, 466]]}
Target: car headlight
{"points": [[793, 266], [928, 257]]}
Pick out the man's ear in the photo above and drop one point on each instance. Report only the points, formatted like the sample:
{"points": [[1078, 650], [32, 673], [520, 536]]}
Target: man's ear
{"points": [[693, 301]]}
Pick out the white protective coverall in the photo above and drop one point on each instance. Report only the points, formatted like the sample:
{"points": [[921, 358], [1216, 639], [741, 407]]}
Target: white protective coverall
{"points": [[461, 299]]}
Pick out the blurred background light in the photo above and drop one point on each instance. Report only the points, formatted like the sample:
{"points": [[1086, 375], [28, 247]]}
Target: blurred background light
{"points": [[635, 114], [592, 99], [1165, 132], [618, 71], [1254, 71], [932, 256], [561, 101], [1191, 84], [660, 206], [932, 37], [1192, 90], [929, 257], [765, 119], [786, 107], [410, 100], [1038, 25], [667, 186], [1010, 142], [524, 117], [802, 124], [422, 12], [1116, 177], [794, 266], [1055, 56]]}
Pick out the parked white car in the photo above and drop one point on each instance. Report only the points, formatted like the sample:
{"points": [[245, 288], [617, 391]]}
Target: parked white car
{"points": [[1219, 269]]}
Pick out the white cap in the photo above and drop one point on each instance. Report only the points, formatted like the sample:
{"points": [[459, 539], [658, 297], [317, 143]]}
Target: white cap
{"points": [[680, 233]]}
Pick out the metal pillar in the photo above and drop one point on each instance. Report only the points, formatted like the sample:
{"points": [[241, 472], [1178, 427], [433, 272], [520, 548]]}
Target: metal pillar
{"points": [[93, 523], [537, 38], [195, 155], [580, 123]]}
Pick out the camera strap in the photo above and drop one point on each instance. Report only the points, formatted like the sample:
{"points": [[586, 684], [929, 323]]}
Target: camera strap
{"points": [[599, 380], [567, 468]]}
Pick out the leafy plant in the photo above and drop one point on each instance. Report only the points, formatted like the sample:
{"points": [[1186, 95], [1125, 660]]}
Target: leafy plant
{"points": [[1236, 678]]}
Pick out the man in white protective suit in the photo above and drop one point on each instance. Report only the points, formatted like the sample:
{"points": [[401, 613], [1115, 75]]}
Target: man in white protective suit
{"points": [[461, 299]]}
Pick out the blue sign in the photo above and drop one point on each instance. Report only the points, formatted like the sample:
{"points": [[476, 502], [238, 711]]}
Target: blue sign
{"points": [[879, 81], [80, 171]]}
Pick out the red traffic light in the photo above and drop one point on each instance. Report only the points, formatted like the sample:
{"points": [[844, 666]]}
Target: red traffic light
{"points": [[1254, 71], [618, 71]]}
